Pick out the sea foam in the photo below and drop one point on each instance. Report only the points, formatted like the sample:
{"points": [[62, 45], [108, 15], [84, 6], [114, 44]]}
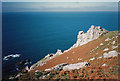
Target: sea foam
{"points": [[11, 56]]}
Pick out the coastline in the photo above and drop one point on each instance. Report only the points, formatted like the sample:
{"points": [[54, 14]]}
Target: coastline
{"points": [[80, 41], [95, 54]]}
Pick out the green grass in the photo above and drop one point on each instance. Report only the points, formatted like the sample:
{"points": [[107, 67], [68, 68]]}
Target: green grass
{"points": [[116, 67]]}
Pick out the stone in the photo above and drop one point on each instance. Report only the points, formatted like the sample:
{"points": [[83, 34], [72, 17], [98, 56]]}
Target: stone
{"points": [[113, 42], [119, 44], [99, 27], [49, 55], [81, 32], [99, 57], [101, 44], [57, 67], [106, 49], [107, 39], [37, 71], [67, 57], [92, 58], [79, 59], [113, 37], [92, 26], [110, 54], [74, 66], [59, 52], [114, 47], [104, 65], [118, 33], [49, 69]]}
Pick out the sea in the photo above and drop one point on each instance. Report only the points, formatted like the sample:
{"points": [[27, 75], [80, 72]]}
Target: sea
{"points": [[33, 35]]}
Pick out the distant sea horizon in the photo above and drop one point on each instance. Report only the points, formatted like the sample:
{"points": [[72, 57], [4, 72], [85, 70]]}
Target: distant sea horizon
{"points": [[36, 34]]}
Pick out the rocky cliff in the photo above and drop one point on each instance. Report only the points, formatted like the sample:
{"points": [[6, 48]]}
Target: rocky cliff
{"points": [[93, 33], [82, 38]]}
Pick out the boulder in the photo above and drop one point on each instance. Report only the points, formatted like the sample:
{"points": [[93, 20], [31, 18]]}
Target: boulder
{"points": [[75, 66], [99, 57], [57, 67], [106, 49], [113, 42], [101, 44], [110, 54], [104, 65], [107, 39], [49, 55], [114, 47], [92, 58]]}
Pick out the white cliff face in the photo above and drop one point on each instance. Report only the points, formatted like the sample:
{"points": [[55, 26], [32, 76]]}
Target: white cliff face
{"points": [[93, 33]]}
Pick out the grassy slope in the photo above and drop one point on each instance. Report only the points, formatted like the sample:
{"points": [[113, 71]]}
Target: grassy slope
{"points": [[85, 52]]}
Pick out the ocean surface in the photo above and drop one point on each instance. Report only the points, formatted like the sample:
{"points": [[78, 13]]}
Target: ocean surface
{"points": [[35, 34]]}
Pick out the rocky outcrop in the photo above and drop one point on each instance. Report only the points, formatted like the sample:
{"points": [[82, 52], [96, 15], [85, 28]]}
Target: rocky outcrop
{"points": [[57, 67], [93, 33], [59, 52], [110, 54], [45, 59], [75, 66]]}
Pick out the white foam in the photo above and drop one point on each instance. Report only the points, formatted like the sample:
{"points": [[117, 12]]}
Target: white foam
{"points": [[11, 56]]}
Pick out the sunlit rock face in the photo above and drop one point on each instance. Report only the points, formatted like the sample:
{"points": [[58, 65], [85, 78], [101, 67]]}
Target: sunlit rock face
{"points": [[93, 33]]}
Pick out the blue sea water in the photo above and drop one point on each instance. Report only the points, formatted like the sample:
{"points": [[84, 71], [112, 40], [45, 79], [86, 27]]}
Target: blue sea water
{"points": [[35, 34]]}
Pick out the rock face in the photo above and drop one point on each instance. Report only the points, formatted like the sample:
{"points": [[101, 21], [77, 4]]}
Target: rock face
{"points": [[57, 67], [75, 66], [93, 33]]}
